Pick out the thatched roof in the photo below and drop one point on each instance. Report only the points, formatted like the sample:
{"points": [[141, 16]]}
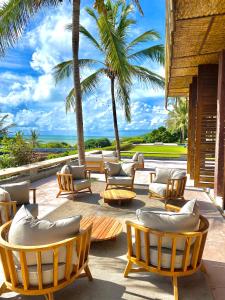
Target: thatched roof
{"points": [[195, 34]]}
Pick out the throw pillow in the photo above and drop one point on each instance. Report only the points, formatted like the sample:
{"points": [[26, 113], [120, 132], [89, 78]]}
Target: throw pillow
{"points": [[113, 168], [78, 172], [127, 169]]}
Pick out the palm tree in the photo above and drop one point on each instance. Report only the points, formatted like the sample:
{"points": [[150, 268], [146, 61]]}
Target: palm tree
{"points": [[4, 129], [14, 17], [34, 138], [178, 118], [120, 59]]}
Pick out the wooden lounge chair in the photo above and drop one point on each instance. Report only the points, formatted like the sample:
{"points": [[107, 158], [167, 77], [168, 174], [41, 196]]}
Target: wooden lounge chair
{"points": [[151, 259], [20, 278], [170, 189]]}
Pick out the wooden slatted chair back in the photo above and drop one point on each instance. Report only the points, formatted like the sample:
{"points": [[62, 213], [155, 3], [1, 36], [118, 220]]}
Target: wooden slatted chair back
{"points": [[8, 253], [65, 182], [7, 211]]}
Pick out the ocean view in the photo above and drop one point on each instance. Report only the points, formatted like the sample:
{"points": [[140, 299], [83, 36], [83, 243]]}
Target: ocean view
{"points": [[72, 139]]}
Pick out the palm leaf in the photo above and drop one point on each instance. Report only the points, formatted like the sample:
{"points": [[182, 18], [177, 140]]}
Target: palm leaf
{"points": [[123, 96], [64, 70], [150, 35], [153, 53], [15, 15], [90, 83], [90, 37]]}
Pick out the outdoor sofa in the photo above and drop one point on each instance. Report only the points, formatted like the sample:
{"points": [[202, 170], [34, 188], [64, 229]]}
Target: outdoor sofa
{"points": [[96, 161]]}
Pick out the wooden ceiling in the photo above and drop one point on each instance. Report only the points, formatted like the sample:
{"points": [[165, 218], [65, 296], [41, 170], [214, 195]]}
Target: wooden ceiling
{"points": [[195, 34]]}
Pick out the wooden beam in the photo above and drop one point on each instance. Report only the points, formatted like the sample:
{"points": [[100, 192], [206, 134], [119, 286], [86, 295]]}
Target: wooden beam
{"points": [[220, 130], [192, 127], [206, 118]]}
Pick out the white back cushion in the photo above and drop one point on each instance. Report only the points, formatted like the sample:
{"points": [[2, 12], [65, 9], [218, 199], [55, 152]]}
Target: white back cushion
{"points": [[127, 169], [164, 174], [4, 197], [113, 168], [78, 172], [18, 191], [28, 231]]}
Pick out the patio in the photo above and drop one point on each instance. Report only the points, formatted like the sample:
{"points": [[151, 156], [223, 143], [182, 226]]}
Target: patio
{"points": [[108, 259]]}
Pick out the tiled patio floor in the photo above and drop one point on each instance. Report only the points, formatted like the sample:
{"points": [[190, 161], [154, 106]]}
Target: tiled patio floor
{"points": [[111, 285]]}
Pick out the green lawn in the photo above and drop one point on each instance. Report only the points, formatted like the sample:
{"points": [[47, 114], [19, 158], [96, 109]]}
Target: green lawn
{"points": [[157, 151]]}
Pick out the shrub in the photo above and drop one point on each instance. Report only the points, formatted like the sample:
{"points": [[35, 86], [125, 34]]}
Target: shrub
{"points": [[18, 150], [6, 161], [55, 145], [133, 140], [123, 147], [161, 135], [97, 143]]}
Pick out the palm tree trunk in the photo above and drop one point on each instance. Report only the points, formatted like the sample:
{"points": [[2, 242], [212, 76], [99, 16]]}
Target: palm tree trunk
{"points": [[115, 117], [76, 78]]}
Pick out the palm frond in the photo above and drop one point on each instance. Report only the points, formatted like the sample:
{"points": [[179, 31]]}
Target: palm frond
{"points": [[153, 53], [147, 77], [90, 37], [123, 96], [150, 35], [14, 17], [125, 22], [90, 83], [64, 70], [70, 101]]}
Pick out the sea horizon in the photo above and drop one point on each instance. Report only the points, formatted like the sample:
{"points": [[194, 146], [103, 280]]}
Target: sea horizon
{"points": [[72, 139]]}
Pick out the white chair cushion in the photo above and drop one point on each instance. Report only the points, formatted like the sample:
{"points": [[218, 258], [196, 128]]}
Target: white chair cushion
{"points": [[27, 231], [94, 157], [108, 153], [140, 158], [78, 172], [4, 197], [65, 170], [158, 188], [165, 221], [110, 159], [165, 257], [117, 180], [47, 274], [81, 184], [19, 191], [113, 168], [135, 156], [127, 169], [164, 174]]}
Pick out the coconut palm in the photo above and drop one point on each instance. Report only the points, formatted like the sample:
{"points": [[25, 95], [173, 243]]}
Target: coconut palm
{"points": [[34, 138], [4, 128], [14, 17], [177, 119], [120, 59]]}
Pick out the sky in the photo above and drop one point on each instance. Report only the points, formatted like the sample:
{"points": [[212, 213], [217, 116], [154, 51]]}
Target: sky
{"points": [[28, 92]]}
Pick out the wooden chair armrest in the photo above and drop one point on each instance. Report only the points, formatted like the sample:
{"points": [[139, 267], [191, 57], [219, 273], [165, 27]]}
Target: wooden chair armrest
{"points": [[106, 173], [172, 208], [34, 194], [88, 174], [152, 176]]}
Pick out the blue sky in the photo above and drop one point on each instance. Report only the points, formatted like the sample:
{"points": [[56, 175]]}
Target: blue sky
{"points": [[28, 92]]}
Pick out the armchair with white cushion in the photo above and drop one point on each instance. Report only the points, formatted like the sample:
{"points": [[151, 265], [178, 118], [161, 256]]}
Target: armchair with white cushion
{"points": [[168, 243], [73, 179], [119, 175], [13, 196], [167, 184]]}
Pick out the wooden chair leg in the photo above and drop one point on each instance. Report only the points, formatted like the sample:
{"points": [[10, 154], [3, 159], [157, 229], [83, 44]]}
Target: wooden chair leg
{"points": [[175, 288], [49, 296], [88, 273], [106, 188], [203, 269], [90, 190], [127, 269], [3, 288], [58, 194]]}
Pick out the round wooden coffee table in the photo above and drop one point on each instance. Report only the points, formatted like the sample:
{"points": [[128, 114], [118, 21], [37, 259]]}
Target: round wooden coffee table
{"points": [[104, 228], [117, 195]]}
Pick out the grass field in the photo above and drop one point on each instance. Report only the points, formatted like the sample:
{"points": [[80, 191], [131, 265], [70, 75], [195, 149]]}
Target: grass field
{"points": [[157, 151]]}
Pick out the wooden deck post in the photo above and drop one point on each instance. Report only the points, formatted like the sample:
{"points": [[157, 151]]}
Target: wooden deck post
{"points": [[206, 119], [220, 130], [192, 126]]}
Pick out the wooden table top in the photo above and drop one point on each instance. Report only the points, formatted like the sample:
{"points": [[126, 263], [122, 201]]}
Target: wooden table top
{"points": [[104, 228], [118, 194]]}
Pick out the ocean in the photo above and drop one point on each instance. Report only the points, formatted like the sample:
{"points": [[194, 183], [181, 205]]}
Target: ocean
{"points": [[72, 139]]}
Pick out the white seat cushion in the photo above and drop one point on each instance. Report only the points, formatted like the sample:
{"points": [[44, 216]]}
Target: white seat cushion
{"points": [[47, 274], [165, 257], [119, 180], [110, 158], [81, 184], [158, 188], [18, 191], [78, 172], [27, 231], [4, 197]]}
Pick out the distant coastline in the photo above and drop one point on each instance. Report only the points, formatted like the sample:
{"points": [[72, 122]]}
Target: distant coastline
{"points": [[72, 139]]}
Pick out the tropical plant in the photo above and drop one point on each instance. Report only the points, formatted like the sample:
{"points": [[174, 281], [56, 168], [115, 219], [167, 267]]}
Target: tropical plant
{"points": [[34, 138], [162, 135], [177, 119], [120, 59], [4, 125]]}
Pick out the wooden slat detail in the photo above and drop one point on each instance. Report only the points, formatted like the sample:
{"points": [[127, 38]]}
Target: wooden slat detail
{"points": [[206, 117], [192, 127], [24, 270], [39, 270]]}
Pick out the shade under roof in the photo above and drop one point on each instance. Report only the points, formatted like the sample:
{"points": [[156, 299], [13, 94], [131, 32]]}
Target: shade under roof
{"points": [[195, 34]]}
